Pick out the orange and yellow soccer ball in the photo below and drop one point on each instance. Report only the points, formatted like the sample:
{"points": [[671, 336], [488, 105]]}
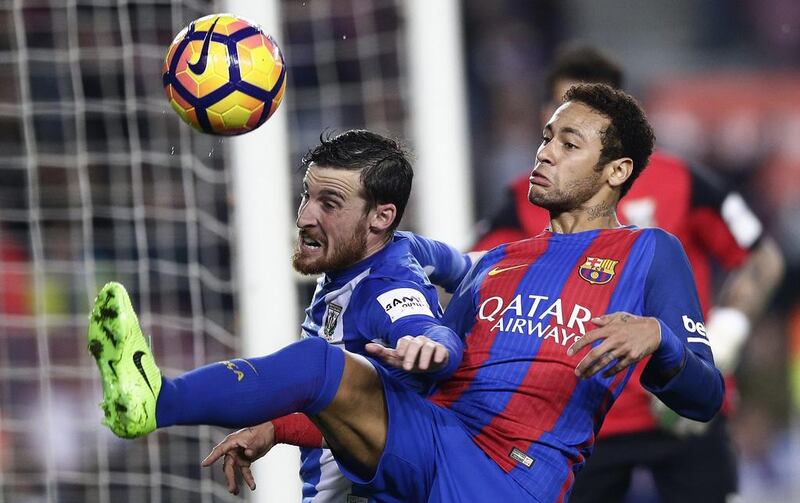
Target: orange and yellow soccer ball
{"points": [[223, 75]]}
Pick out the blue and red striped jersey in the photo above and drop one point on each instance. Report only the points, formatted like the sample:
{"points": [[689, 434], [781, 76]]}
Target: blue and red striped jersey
{"points": [[525, 303]]}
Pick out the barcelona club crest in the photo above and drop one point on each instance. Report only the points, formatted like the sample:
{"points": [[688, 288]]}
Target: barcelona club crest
{"points": [[598, 271]]}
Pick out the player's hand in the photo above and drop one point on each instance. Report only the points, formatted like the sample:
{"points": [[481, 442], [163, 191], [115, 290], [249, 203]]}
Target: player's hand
{"points": [[412, 354], [627, 338], [240, 449]]}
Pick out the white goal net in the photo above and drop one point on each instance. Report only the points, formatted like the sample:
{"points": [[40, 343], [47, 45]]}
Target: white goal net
{"points": [[99, 181]]}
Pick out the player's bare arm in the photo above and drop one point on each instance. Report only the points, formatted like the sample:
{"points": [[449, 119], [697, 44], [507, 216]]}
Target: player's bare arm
{"points": [[627, 339], [742, 301], [750, 287], [247, 445], [240, 449]]}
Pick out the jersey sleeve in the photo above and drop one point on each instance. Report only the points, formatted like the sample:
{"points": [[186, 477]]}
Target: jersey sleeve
{"points": [[460, 313], [681, 372], [444, 265], [721, 220], [395, 309]]}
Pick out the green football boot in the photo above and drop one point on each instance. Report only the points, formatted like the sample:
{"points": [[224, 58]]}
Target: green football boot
{"points": [[131, 379]]}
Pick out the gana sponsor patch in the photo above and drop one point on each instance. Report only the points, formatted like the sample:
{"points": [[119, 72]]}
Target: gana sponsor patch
{"points": [[402, 302]]}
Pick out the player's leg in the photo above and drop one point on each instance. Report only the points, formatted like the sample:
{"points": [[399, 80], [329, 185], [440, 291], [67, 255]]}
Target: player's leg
{"points": [[702, 468], [309, 376], [355, 422]]}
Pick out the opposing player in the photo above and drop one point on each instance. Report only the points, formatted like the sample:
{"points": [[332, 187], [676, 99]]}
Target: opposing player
{"points": [[372, 288], [552, 327], [714, 225], [349, 307]]}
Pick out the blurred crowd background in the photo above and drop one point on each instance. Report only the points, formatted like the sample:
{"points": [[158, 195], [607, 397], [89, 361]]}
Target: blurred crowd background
{"points": [[99, 180]]}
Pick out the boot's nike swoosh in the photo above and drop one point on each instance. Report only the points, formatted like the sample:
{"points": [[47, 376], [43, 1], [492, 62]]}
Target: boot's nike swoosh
{"points": [[199, 66], [498, 270], [137, 360]]}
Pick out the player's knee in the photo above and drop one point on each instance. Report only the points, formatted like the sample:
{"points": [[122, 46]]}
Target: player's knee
{"points": [[315, 351], [313, 344], [324, 364]]}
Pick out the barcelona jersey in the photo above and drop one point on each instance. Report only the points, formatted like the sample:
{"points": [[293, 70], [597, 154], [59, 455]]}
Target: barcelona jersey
{"points": [[525, 303], [714, 225]]}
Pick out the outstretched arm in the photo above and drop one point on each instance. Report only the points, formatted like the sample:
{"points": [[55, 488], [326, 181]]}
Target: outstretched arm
{"points": [[242, 448], [429, 353], [405, 332], [444, 265]]}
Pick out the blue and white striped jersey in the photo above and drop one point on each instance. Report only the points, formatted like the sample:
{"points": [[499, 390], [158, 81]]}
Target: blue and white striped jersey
{"points": [[380, 299]]}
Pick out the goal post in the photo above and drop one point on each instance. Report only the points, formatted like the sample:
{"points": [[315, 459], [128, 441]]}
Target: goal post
{"points": [[438, 118], [268, 303]]}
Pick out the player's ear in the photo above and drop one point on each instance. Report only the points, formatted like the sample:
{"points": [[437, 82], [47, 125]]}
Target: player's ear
{"points": [[619, 170], [382, 217]]}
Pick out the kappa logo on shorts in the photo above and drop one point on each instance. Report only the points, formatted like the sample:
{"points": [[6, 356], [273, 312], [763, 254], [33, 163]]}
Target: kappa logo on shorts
{"points": [[331, 318], [521, 457]]}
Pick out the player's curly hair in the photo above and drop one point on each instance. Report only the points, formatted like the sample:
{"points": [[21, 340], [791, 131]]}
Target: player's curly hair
{"points": [[628, 135], [386, 172]]}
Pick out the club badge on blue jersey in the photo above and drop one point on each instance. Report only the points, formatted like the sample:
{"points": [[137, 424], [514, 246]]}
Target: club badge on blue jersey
{"points": [[331, 318], [598, 271]]}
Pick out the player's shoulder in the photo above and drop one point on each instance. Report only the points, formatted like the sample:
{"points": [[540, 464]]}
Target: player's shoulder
{"points": [[663, 241], [397, 259], [407, 238], [405, 273]]}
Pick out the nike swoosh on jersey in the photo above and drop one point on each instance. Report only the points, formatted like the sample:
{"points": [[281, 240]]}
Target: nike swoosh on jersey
{"points": [[137, 360], [199, 66], [498, 270]]}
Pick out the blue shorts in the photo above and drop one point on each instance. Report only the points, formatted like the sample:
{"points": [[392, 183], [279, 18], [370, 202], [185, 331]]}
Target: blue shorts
{"points": [[430, 457]]}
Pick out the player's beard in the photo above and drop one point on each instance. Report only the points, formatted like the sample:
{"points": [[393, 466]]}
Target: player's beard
{"points": [[344, 253], [558, 200]]}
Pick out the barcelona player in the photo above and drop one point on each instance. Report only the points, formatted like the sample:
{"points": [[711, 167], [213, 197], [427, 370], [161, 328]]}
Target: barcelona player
{"points": [[714, 225], [551, 329]]}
